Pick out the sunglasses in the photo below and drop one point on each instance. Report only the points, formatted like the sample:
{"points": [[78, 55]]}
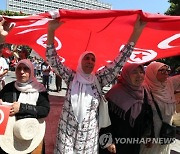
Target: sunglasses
{"points": [[163, 71], [23, 68]]}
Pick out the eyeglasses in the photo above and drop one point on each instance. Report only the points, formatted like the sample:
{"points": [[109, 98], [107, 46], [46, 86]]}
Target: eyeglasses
{"points": [[23, 68], [163, 71]]}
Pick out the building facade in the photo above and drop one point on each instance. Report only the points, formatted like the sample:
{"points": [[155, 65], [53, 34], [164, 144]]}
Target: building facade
{"points": [[38, 6]]}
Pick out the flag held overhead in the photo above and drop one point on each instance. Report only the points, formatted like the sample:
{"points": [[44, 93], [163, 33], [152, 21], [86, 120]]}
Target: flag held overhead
{"points": [[104, 32]]}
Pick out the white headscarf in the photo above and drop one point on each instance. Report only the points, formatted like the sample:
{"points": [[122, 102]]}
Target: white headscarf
{"points": [[81, 91], [162, 91]]}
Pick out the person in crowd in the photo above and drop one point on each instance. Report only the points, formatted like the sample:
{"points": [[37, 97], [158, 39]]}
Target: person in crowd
{"points": [[58, 82], [45, 71], [18, 54], [35, 63], [4, 67], [51, 74], [162, 88], [129, 111], [27, 99], [78, 129], [22, 53], [39, 68], [13, 63]]}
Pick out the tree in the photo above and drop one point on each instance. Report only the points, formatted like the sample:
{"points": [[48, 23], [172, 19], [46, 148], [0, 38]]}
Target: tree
{"points": [[174, 9], [10, 13]]}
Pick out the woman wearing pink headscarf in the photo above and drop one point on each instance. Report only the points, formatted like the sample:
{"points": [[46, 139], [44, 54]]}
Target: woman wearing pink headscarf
{"points": [[129, 111], [28, 99], [162, 87], [26, 89]]}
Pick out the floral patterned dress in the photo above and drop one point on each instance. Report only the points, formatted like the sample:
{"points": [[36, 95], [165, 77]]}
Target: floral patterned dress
{"points": [[82, 138]]}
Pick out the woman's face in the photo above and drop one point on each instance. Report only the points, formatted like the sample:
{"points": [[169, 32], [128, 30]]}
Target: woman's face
{"points": [[163, 73], [22, 73], [137, 76], [88, 63]]}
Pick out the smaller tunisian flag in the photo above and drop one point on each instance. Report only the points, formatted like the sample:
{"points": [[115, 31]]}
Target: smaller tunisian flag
{"points": [[6, 53], [4, 115], [103, 32]]}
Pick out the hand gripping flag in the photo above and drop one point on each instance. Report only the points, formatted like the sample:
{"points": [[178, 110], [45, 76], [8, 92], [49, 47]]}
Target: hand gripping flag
{"points": [[104, 32]]}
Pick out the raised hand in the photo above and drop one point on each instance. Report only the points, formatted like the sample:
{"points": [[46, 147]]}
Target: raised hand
{"points": [[53, 25], [5, 27], [138, 28]]}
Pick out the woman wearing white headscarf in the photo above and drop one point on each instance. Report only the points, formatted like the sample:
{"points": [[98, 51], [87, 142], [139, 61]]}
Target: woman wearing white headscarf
{"points": [[162, 87], [28, 97], [78, 129]]}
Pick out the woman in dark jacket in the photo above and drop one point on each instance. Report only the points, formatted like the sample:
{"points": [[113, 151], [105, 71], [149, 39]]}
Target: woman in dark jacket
{"points": [[129, 112], [27, 96]]}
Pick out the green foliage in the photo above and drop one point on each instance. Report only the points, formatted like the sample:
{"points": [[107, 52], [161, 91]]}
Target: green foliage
{"points": [[10, 13], [174, 9], [174, 62]]}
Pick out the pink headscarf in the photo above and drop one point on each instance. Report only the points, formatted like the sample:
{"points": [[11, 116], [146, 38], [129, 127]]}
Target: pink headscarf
{"points": [[127, 96], [162, 91], [32, 84], [29, 64]]}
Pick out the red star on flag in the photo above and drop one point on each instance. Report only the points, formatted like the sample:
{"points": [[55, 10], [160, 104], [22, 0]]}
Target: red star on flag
{"points": [[138, 55]]}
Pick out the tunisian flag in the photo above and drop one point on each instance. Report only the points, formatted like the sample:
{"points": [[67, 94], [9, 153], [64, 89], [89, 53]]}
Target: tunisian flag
{"points": [[104, 32]]}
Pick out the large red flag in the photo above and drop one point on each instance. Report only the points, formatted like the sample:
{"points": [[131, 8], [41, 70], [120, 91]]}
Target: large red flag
{"points": [[104, 32]]}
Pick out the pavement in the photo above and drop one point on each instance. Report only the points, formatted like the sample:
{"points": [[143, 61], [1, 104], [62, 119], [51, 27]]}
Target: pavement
{"points": [[56, 102]]}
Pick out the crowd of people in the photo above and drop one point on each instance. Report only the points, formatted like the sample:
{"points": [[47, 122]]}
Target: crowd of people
{"points": [[41, 68], [88, 123]]}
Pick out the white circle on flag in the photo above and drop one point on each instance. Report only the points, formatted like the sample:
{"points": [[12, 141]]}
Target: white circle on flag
{"points": [[42, 39], [141, 55]]}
